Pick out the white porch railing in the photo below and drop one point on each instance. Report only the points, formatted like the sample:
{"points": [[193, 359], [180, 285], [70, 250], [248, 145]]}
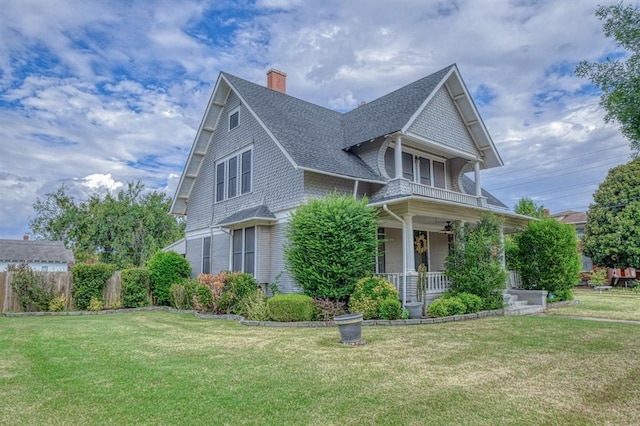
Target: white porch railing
{"points": [[435, 283], [444, 194], [514, 280]]}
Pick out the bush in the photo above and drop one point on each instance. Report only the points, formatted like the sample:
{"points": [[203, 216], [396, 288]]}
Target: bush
{"points": [[290, 307], [227, 290], [254, 306], [444, 307], [390, 309], [166, 268], [330, 244], [135, 287], [95, 304], [181, 295], [89, 281], [471, 302], [368, 294], [57, 304], [474, 263], [327, 309], [33, 289], [548, 258]]}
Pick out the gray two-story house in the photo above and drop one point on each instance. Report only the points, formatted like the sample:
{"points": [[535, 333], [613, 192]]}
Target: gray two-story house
{"points": [[259, 153]]}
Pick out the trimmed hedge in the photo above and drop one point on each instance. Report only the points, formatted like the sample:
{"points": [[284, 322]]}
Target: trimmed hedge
{"points": [[166, 268], [290, 307], [89, 281], [134, 292]]}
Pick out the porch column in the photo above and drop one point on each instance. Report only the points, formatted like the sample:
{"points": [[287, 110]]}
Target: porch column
{"points": [[410, 258], [503, 258], [476, 171], [398, 156]]}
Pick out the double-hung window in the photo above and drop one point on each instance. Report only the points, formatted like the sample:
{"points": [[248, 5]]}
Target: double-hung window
{"points": [[234, 175], [244, 250], [234, 118]]}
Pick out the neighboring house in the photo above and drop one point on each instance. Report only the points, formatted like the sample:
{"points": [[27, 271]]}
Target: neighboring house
{"points": [[179, 247], [578, 220], [259, 153], [42, 256]]}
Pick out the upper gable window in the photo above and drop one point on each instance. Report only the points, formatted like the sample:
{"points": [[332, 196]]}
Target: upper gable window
{"points": [[234, 118], [234, 175]]}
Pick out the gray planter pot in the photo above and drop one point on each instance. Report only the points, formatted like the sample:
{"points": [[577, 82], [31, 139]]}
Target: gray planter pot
{"points": [[350, 327], [415, 309]]}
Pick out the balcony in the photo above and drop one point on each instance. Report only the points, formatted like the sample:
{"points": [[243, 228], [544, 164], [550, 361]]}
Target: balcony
{"points": [[446, 195]]}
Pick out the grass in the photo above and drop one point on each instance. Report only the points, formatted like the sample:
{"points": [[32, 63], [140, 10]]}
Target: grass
{"points": [[615, 304], [163, 368]]}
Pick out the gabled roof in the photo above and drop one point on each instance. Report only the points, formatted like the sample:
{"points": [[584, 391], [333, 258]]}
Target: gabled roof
{"points": [[570, 216], [312, 136], [391, 112], [17, 251], [317, 139]]}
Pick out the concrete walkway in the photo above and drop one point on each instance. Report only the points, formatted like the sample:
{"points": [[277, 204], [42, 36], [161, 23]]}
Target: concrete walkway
{"points": [[622, 321]]}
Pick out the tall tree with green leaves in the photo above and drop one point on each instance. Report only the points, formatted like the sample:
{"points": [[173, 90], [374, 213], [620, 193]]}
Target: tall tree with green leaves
{"points": [[619, 79], [125, 229], [612, 233], [528, 207]]}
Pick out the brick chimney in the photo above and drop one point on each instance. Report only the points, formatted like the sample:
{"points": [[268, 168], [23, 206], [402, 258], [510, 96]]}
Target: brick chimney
{"points": [[277, 80], [26, 237]]}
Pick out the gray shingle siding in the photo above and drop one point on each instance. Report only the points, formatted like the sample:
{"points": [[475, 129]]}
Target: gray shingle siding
{"points": [[440, 121], [194, 255]]}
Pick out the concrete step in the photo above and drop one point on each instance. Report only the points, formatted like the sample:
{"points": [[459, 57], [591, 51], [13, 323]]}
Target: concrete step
{"points": [[519, 303], [523, 310]]}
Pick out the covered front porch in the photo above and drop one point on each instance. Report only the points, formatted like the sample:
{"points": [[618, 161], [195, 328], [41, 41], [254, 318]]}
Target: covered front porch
{"points": [[417, 231]]}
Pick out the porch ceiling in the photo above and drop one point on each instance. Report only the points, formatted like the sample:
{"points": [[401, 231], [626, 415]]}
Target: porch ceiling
{"points": [[433, 215]]}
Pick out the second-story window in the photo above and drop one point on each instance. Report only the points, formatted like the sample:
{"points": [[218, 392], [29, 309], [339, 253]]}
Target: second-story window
{"points": [[234, 118], [416, 168], [234, 175]]}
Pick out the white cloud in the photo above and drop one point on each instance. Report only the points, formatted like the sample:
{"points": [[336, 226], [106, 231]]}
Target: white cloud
{"points": [[99, 91]]}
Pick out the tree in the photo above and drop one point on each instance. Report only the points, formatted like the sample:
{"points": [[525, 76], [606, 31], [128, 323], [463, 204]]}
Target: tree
{"points": [[619, 80], [124, 229], [528, 207], [548, 257], [331, 243], [612, 233], [474, 264]]}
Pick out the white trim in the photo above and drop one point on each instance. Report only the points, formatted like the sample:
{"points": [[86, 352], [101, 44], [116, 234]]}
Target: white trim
{"points": [[255, 249], [307, 169], [439, 146]]}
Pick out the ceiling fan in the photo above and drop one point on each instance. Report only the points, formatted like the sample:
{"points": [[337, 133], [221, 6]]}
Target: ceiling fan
{"points": [[448, 229]]}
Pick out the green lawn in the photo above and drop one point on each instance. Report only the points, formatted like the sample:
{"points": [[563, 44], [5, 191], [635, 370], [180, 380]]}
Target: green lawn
{"points": [[614, 304], [163, 368]]}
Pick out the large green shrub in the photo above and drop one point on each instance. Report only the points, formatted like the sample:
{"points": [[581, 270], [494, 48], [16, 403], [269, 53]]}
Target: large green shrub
{"points": [[390, 309], [330, 244], [166, 268], [548, 258], [368, 295], [474, 265], [34, 290], [134, 290], [446, 306], [290, 307], [89, 281]]}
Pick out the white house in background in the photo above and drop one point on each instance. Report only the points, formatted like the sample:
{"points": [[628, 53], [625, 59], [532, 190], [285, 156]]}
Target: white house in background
{"points": [[41, 256], [259, 153]]}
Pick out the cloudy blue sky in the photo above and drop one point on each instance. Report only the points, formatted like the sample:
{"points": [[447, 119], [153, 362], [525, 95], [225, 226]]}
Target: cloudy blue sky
{"points": [[94, 94]]}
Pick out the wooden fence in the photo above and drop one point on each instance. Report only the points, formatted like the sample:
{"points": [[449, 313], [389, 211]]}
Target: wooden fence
{"points": [[62, 282]]}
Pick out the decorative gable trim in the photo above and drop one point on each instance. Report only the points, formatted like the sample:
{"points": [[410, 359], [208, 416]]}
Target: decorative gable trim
{"points": [[457, 90]]}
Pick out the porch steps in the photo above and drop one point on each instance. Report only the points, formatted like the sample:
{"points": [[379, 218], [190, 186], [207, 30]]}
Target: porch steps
{"points": [[513, 306]]}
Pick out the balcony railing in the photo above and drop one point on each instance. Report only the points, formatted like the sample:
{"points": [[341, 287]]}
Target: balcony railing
{"points": [[445, 194]]}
